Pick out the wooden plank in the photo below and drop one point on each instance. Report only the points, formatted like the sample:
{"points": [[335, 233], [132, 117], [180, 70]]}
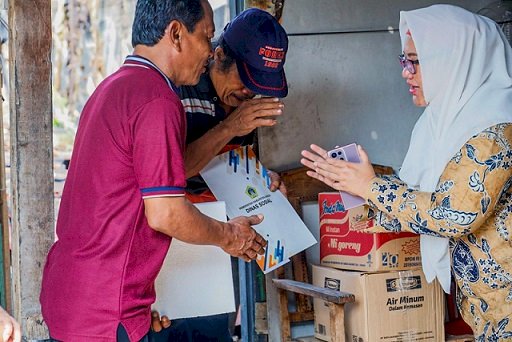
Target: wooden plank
{"points": [[304, 304], [273, 308], [307, 339], [30, 39], [302, 316], [330, 295], [260, 318], [337, 322], [285, 319], [299, 265], [299, 184], [383, 170]]}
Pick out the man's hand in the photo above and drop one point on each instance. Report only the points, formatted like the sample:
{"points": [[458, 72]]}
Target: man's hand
{"points": [[252, 114], [175, 216], [246, 244], [9, 329], [157, 323], [276, 183]]}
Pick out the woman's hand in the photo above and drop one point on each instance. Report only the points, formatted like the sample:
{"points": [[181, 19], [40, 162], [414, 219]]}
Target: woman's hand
{"points": [[353, 178]]}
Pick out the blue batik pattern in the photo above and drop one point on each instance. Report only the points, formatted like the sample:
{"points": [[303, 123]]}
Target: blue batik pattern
{"points": [[495, 333]]}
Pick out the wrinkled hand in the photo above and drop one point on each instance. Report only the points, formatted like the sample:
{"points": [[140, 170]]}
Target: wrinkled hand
{"points": [[246, 244], [157, 323], [353, 178], [9, 329], [276, 183], [252, 114]]}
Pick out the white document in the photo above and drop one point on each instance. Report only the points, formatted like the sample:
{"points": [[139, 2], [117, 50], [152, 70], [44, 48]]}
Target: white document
{"points": [[240, 180], [196, 280]]}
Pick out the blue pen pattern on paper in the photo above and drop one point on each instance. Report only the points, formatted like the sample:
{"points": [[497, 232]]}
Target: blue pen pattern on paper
{"points": [[244, 157]]}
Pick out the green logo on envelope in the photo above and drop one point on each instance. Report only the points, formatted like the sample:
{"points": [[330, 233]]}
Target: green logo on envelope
{"points": [[251, 192]]}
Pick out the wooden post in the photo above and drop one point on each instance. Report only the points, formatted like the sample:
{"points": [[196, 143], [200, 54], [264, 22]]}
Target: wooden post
{"points": [[30, 38], [336, 322], [4, 212], [286, 330], [274, 304], [335, 300]]}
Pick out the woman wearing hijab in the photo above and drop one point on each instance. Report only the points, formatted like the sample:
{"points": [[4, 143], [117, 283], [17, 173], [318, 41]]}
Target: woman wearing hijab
{"points": [[454, 187]]}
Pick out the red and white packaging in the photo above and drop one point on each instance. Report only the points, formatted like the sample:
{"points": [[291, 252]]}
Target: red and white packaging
{"points": [[345, 245]]}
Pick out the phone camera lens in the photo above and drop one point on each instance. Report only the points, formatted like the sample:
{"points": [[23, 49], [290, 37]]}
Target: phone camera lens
{"points": [[333, 155]]}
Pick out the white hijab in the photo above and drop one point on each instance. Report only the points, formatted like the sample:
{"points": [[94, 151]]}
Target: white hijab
{"points": [[466, 68]]}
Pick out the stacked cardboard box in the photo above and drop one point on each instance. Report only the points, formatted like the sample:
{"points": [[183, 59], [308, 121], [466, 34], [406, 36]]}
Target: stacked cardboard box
{"points": [[345, 245], [394, 302], [389, 306]]}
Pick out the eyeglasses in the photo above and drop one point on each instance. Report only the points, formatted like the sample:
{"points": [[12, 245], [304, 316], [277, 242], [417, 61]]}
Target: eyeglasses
{"points": [[408, 64]]}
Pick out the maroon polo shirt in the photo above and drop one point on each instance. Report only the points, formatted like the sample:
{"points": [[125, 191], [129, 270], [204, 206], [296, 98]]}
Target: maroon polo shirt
{"points": [[129, 146]]}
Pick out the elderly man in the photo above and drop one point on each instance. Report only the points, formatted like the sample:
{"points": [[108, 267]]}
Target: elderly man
{"points": [[222, 114], [221, 109], [123, 199]]}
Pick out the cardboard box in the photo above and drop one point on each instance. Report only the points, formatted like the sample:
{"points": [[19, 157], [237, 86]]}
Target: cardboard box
{"points": [[389, 306], [345, 245]]}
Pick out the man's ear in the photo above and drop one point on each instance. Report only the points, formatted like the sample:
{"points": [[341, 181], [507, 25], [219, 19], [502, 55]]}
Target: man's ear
{"points": [[173, 33], [219, 54]]}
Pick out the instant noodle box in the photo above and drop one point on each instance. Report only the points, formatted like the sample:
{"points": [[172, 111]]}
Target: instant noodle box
{"points": [[345, 245]]}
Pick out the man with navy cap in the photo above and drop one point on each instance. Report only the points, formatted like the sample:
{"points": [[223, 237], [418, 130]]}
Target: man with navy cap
{"points": [[223, 113]]}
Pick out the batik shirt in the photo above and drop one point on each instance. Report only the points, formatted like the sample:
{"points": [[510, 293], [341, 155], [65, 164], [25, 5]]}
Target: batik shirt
{"points": [[472, 206]]}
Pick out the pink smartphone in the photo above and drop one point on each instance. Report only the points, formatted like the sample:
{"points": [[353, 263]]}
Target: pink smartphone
{"points": [[351, 154]]}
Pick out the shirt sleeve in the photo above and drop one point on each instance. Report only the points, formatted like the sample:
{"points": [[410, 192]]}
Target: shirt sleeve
{"points": [[158, 131], [466, 194]]}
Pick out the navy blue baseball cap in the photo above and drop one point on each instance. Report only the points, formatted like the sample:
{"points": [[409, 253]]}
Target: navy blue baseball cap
{"points": [[259, 44]]}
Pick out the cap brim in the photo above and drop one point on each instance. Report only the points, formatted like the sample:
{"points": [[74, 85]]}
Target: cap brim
{"points": [[263, 83]]}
